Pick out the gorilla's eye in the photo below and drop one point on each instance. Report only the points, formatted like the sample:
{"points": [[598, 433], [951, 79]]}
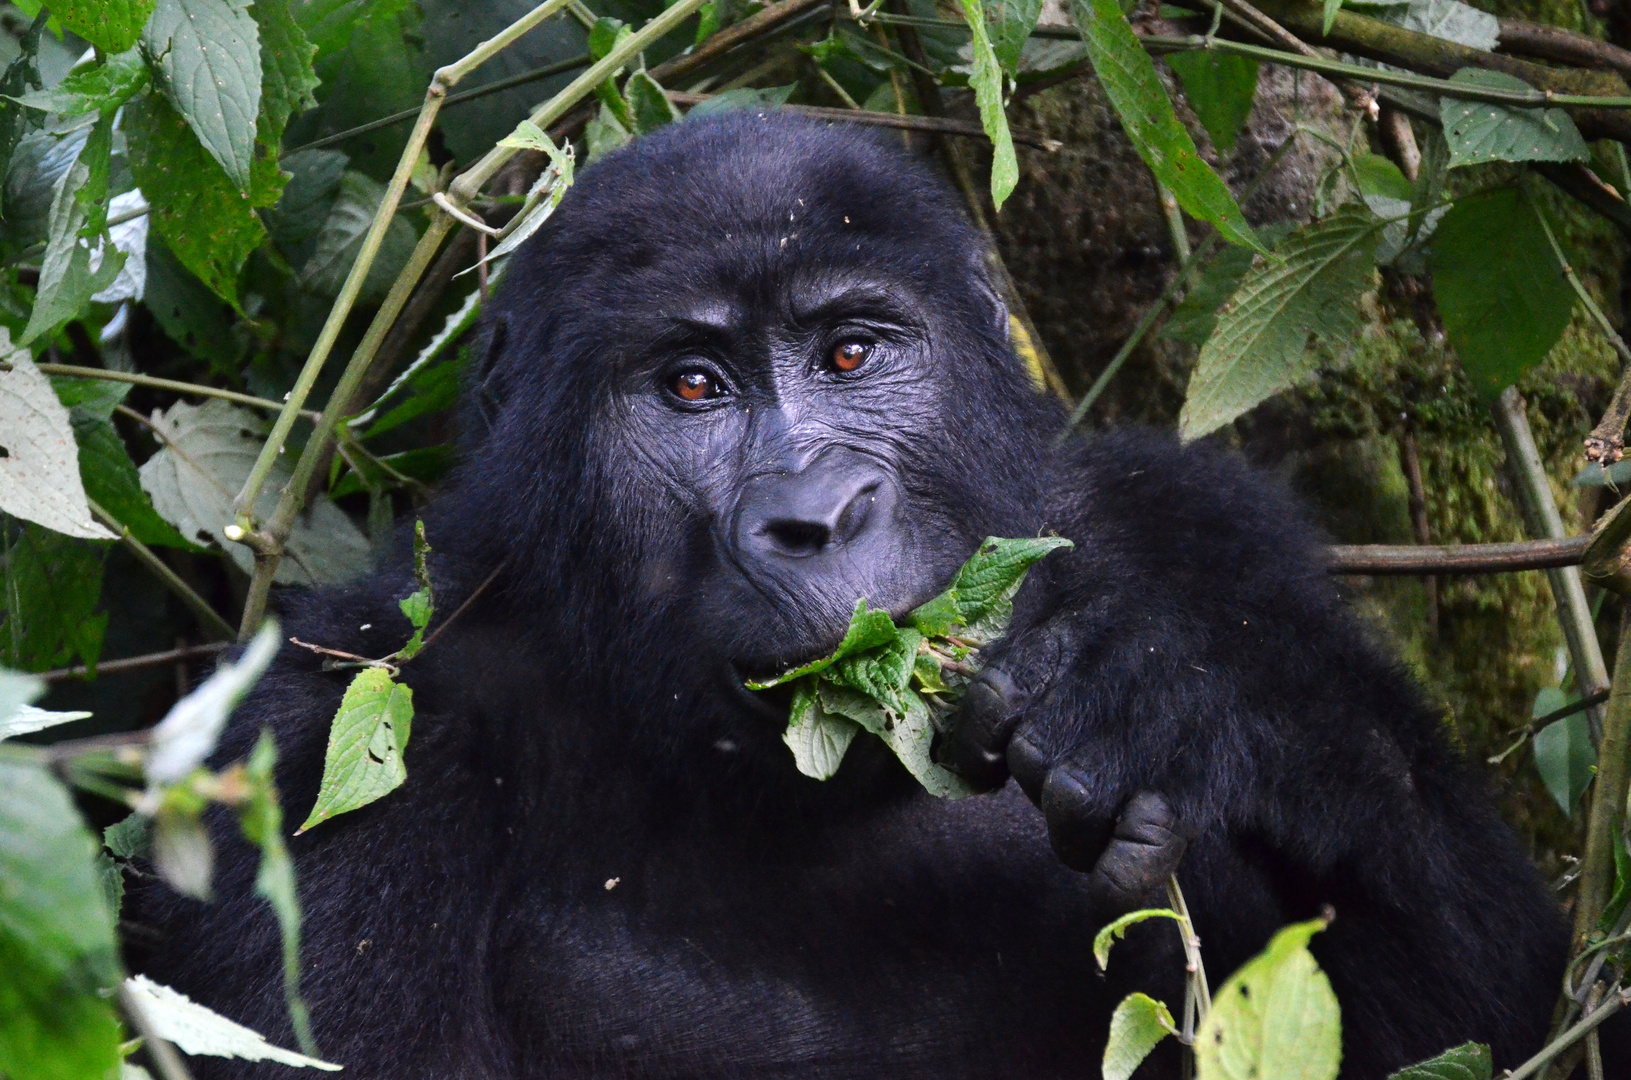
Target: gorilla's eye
{"points": [[849, 355], [694, 385]]}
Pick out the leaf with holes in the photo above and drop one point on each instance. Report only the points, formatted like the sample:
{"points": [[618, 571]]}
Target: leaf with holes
{"points": [[1137, 1025], [1276, 1018], [207, 55], [208, 452], [1479, 132], [1469, 1061], [39, 461], [1499, 288], [365, 746], [1260, 346], [817, 737], [111, 25], [1128, 76]]}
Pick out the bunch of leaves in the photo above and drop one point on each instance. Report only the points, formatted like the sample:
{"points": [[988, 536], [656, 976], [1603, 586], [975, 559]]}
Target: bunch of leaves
{"points": [[901, 682], [370, 730], [61, 890]]}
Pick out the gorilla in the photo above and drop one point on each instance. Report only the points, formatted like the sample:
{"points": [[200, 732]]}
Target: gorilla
{"points": [[752, 371]]}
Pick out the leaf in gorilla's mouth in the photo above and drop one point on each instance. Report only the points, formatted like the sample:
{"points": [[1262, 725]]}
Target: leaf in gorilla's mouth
{"points": [[900, 682]]}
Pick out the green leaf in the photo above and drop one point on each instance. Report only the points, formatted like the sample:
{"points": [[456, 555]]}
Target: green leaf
{"points": [[111, 482], [130, 837], [1379, 176], [817, 737], [340, 239], [939, 616], [66, 279], [1564, 755], [20, 76], [1113, 932], [1193, 320], [988, 581], [365, 746], [1137, 1025], [1221, 89], [1478, 131], [1276, 1018], [197, 1030], [418, 606], [208, 223], [111, 25], [1450, 20], [1469, 1061], [649, 107], [1260, 345], [745, 97], [434, 388], [193, 479], [985, 77], [96, 88], [39, 473], [604, 134], [287, 78], [207, 53], [426, 464], [867, 630], [193, 316], [1128, 76], [1010, 23], [1331, 9], [910, 734], [882, 673], [57, 946], [1499, 289], [50, 586]]}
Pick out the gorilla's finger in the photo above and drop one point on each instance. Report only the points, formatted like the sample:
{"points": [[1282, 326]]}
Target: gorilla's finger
{"points": [[1145, 848], [1028, 765], [976, 746], [1076, 830]]}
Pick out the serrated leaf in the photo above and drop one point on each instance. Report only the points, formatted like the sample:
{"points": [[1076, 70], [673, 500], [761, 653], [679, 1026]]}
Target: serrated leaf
{"points": [[1276, 1018], [995, 572], [50, 586], [39, 472], [909, 734], [356, 200], [67, 279], [1260, 345], [1193, 320], [207, 54], [938, 616], [130, 837], [867, 630], [178, 1019], [985, 77], [817, 737], [184, 738], [1010, 23], [365, 746], [1137, 1025], [111, 481], [208, 224], [1220, 89], [1499, 288], [649, 107], [883, 673], [1470, 1061], [111, 25], [287, 78], [1113, 932], [193, 479], [1128, 76], [95, 88], [57, 945], [1479, 131]]}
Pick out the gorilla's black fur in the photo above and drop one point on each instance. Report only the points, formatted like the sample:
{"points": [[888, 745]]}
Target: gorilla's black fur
{"points": [[604, 863]]}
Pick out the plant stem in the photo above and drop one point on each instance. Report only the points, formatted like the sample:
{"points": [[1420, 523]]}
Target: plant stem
{"points": [[1192, 949], [73, 371], [1607, 797], [1389, 560], [212, 622], [137, 663], [1616, 1001]]}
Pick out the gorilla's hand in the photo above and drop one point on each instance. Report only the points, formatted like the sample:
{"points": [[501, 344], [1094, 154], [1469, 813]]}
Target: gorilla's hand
{"points": [[1127, 854]]}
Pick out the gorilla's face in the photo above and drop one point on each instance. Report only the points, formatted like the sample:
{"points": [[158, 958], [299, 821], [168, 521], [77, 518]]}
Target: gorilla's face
{"points": [[760, 374]]}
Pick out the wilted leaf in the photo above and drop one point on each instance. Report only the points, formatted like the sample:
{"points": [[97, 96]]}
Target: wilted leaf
{"points": [[1220, 89], [1137, 1025], [1113, 932], [356, 200], [208, 223], [1469, 1061], [196, 1030], [985, 77], [1478, 131], [39, 461], [209, 451], [184, 738], [1128, 76], [57, 947], [207, 53], [1499, 288], [1276, 1018], [365, 746], [1260, 345]]}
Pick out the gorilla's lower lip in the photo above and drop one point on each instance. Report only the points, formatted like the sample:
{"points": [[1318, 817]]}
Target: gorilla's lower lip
{"points": [[774, 703]]}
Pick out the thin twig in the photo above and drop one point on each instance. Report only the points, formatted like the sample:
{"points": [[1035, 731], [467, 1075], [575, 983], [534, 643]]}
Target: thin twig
{"points": [[1616, 1001], [138, 663], [940, 125], [1392, 560], [462, 608], [212, 622], [74, 371]]}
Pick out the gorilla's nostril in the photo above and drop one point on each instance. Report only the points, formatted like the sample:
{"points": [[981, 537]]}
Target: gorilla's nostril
{"points": [[798, 537]]}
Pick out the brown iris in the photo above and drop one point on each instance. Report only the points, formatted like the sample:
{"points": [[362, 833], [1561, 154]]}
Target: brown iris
{"points": [[850, 355], [694, 386]]}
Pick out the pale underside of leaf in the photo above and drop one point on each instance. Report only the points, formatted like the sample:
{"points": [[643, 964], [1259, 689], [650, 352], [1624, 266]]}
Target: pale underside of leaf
{"points": [[39, 474], [197, 1030], [208, 54], [1137, 1025]]}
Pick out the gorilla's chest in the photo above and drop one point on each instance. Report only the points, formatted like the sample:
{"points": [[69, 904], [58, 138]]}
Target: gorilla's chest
{"points": [[909, 951]]}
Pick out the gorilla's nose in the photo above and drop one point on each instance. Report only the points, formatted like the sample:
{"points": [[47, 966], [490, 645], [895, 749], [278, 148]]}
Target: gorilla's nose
{"points": [[830, 503]]}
